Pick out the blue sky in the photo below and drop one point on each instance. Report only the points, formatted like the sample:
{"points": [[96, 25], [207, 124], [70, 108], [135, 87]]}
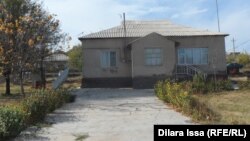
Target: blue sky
{"points": [[79, 17]]}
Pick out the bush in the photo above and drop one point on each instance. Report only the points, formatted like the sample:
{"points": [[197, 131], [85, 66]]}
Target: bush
{"points": [[199, 84], [179, 95], [42, 102], [12, 121], [172, 93], [244, 84], [224, 85], [32, 109], [201, 111]]}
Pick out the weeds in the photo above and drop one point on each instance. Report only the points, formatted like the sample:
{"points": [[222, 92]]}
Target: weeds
{"points": [[81, 137]]}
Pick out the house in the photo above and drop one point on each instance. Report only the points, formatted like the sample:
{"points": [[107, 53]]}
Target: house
{"points": [[56, 61], [138, 53]]}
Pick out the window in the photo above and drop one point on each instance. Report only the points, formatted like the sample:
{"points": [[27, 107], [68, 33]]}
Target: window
{"points": [[193, 56], [153, 56], [108, 59]]}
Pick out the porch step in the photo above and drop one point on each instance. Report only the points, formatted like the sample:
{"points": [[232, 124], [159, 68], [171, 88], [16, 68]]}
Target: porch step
{"points": [[186, 72]]}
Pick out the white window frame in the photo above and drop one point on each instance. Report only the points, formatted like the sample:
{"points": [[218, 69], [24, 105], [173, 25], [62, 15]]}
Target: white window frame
{"points": [[186, 56], [152, 59], [105, 59]]}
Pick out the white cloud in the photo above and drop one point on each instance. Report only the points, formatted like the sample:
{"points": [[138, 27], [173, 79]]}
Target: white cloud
{"points": [[189, 13], [195, 11]]}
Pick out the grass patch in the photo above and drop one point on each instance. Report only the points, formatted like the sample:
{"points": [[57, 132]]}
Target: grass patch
{"points": [[15, 97], [232, 107], [180, 95], [43, 125], [81, 137], [205, 104], [15, 89]]}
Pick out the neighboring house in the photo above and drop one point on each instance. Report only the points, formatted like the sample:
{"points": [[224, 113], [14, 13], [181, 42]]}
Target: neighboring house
{"points": [[56, 61], [143, 52]]}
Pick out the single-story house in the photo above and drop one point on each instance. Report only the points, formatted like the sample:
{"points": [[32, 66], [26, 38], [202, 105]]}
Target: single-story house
{"points": [[138, 53], [56, 61]]}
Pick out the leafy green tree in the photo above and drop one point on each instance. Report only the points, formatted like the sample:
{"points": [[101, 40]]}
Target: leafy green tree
{"points": [[230, 58], [76, 57], [243, 58]]}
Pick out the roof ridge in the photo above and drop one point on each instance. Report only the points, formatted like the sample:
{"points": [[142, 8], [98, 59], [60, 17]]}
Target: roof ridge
{"points": [[146, 21], [140, 28]]}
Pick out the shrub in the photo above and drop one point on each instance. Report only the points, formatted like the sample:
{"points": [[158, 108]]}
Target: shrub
{"points": [[31, 110], [42, 102], [199, 84], [172, 93], [224, 85], [12, 121], [179, 95], [159, 90], [201, 111], [244, 84], [36, 106]]}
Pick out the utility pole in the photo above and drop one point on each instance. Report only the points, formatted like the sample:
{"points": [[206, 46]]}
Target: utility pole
{"points": [[218, 17], [233, 40], [125, 38], [124, 25]]}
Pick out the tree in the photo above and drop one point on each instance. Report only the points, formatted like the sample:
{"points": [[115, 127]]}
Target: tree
{"points": [[230, 58], [6, 39], [76, 57], [243, 58], [27, 34]]}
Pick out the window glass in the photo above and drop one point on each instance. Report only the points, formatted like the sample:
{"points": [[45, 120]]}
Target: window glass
{"points": [[193, 56], [181, 56], [108, 59], [112, 59], [153, 56]]}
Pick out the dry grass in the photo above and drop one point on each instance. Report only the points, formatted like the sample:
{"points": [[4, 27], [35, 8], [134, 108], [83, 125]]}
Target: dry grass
{"points": [[243, 78], [233, 107], [15, 94], [71, 83]]}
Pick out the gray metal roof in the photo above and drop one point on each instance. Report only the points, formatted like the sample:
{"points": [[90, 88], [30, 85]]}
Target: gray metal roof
{"points": [[143, 28]]}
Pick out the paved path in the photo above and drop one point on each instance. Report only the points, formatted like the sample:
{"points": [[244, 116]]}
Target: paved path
{"points": [[107, 115]]}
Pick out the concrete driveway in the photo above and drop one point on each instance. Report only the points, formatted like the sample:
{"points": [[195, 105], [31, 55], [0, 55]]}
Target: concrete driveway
{"points": [[107, 115]]}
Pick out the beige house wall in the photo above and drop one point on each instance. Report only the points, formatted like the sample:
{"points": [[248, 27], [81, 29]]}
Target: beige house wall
{"points": [[92, 50], [216, 50], [154, 40]]}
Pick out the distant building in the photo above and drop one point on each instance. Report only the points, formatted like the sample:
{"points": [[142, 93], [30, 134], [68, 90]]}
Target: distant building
{"points": [[234, 53], [56, 61]]}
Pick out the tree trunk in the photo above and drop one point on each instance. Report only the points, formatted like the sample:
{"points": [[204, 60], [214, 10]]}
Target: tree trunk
{"points": [[21, 84], [43, 79], [7, 86]]}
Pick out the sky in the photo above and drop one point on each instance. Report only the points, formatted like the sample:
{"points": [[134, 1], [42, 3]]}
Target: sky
{"points": [[81, 17]]}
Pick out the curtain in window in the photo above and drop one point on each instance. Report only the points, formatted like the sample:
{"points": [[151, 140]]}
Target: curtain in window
{"points": [[112, 59], [181, 56], [108, 59], [193, 56], [105, 59]]}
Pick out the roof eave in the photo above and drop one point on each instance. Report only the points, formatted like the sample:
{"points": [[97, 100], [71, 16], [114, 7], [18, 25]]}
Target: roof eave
{"points": [[93, 38]]}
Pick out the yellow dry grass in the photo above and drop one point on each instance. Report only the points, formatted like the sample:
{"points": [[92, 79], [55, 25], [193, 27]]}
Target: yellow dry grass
{"points": [[232, 107]]}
